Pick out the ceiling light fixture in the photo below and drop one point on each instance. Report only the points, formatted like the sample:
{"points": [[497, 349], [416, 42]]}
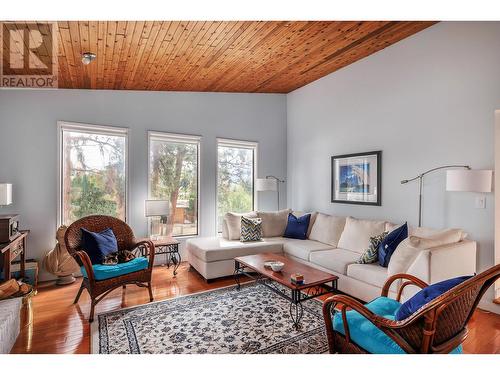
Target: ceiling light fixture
{"points": [[88, 57]]}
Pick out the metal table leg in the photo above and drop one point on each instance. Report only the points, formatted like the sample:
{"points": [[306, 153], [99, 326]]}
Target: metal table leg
{"points": [[237, 273], [175, 259], [296, 309]]}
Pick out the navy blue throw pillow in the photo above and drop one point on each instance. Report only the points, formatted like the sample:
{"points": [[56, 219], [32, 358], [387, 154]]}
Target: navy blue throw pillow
{"points": [[98, 245], [297, 226], [426, 295], [390, 243]]}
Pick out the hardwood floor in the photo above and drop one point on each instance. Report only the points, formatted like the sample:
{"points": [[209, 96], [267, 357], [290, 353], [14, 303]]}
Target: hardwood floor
{"points": [[59, 326]]}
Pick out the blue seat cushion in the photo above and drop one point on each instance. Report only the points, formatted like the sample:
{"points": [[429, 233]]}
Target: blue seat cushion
{"points": [[366, 335], [103, 272]]}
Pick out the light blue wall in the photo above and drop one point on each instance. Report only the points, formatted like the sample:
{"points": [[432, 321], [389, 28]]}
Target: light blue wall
{"points": [[28, 144], [426, 101]]}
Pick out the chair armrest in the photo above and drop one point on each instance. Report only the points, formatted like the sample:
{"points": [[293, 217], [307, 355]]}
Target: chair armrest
{"points": [[147, 244], [346, 302], [87, 264], [411, 280]]}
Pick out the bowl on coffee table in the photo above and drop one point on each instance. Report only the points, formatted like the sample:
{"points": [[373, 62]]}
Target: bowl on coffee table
{"points": [[277, 266]]}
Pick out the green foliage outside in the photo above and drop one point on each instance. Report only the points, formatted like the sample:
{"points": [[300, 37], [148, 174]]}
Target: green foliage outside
{"points": [[174, 177], [94, 165], [89, 197], [235, 181], [93, 176]]}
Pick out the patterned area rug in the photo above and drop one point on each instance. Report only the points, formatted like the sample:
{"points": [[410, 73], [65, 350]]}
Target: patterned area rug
{"points": [[253, 319]]}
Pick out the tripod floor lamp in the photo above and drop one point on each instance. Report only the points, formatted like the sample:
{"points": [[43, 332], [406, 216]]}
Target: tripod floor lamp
{"points": [[461, 179], [270, 183]]}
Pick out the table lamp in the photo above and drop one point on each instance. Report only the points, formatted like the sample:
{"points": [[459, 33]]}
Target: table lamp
{"points": [[5, 194], [157, 209]]}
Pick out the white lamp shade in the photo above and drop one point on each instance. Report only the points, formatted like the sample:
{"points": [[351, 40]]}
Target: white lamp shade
{"points": [[266, 184], [5, 194], [469, 180], [156, 208]]}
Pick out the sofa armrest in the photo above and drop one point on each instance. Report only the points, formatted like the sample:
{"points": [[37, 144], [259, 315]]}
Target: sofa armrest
{"points": [[442, 263], [452, 260]]}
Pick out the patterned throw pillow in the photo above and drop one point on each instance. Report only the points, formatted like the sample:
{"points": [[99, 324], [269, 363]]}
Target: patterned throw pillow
{"points": [[251, 229], [371, 254]]}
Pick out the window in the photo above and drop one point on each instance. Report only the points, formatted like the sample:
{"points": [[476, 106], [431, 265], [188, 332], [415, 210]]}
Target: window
{"points": [[93, 171], [236, 170], [173, 176]]}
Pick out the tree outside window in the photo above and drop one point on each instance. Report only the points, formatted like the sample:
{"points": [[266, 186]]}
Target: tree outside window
{"points": [[93, 174], [173, 176], [235, 178]]}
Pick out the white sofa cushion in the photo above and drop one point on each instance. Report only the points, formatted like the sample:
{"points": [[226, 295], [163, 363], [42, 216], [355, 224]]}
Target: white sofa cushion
{"points": [[389, 227], [225, 231], [212, 249], [357, 233], [273, 223], [402, 258], [336, 260], [233, 224], [302, 248], [440, 238], [430, 232], [372, 274], [327, 229]]}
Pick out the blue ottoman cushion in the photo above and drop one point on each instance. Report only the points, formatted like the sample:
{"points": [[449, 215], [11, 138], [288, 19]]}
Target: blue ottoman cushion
{"points": [[367, 335], [102, 272]]}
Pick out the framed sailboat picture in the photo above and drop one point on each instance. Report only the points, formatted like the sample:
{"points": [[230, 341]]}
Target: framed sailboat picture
{"points": [[357, 178]]}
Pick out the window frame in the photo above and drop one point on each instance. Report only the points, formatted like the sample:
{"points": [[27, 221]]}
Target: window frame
{"points": [[89, 129], [226, 142], [178, 138]]}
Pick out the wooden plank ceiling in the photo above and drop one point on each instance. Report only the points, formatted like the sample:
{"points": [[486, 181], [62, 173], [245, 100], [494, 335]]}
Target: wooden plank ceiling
{"points": [[235, 56]]}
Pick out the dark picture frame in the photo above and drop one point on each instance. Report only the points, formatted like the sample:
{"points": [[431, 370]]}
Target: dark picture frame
{"points": [[357, 178]]}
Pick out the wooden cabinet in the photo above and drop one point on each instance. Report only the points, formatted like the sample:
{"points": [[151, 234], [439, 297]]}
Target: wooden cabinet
{"points": [[10, 251]]}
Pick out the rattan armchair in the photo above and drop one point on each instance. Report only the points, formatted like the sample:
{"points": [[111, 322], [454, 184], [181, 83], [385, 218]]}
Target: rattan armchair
{"points": [[98, 289], [437, 327]]}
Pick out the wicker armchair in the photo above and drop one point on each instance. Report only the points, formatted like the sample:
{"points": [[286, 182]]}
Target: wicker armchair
{"points": [[98, 289], [437, 327]]}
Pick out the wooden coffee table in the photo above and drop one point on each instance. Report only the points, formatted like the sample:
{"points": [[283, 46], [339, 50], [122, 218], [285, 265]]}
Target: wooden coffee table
{"points": [[315, 281]]}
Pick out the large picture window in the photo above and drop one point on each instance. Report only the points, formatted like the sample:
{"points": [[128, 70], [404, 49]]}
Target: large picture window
{"points": [[93, 171], [174, 176], [236, 171]]}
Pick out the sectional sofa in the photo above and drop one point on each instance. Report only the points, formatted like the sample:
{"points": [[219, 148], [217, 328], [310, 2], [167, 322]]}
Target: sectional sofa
{"points": [[335, 244]]}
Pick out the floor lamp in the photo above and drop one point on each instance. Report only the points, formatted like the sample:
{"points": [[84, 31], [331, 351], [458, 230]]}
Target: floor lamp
{"points": [[463, 179], [270, 183]]}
